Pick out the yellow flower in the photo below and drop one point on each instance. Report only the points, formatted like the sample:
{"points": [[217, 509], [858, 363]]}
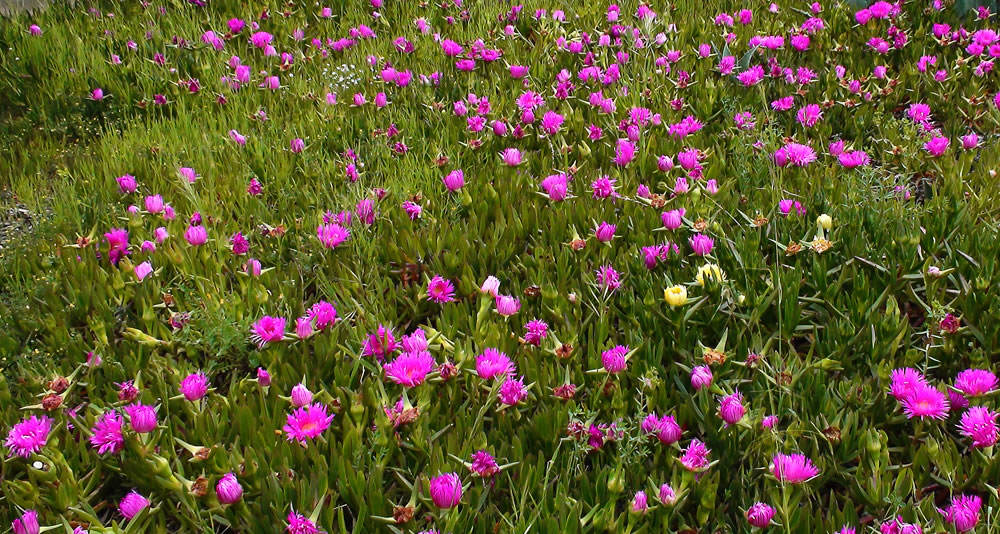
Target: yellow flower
{"points": [[711, 271], [676, 295], [824, 221]]}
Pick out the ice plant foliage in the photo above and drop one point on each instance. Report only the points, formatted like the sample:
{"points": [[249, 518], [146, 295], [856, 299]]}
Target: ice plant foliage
{"points": [[456, 266]]}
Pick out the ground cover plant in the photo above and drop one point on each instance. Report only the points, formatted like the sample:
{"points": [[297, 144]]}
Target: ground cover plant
{"points": [[406, 266]]}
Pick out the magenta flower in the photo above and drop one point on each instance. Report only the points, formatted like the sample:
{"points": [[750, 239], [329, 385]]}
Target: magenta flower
{"points": [[857, 158], [963, 512], [228, 490], [809, 115], [483, 464], [323, 315], [665, 428], [409, 369], [27, 523], [792, 468], [695, 457], [440, 290], [640, 503], [731, 408], [904, 381], [380, 344], [672, 219], [512, 391], [127, 183], [194, 386], [667, 495], [268, 329], [975, 382], [609, 278], [624, 152], [196, 235], [701, 377], [296, 145], [511, 157], [117, 244], [29, 436], [132, 504], [446, 490], [980, 424], [107, 433], [605, 232], [794, 154], [769, 421], [937, 146], [701, 244], [493, 363], [555, 186], [925, 401], [300, 395], [614, 360], [603, 187], [142, 418], [760, 514], [535, 331], [551, 122], [331, 235], [239, 243], [300, 524], [454, 180], [507, 305], [307, 423]]}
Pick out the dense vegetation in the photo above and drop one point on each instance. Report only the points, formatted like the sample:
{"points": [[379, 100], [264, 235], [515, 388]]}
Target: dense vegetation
{"points": [[469, 266]]}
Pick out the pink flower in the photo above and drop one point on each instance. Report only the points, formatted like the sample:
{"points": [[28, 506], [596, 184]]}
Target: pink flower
{"points": [[640, 503], [409, 369], [555, 186], [143, 270], [142, 418], [667, 495], [380, 344], [672, 219], [490, 286], [701, 377], [194, 386], [963, 512], [535, 331], [551, 122], [624, 152], [507, 305], [760, 514], [107, 433], [28, 522], [493, 363], [268, 330], [937, 146], [975, 382], [196, 235], [701, 244], [609, 278], [483, 464], [300, 524], [605, 232], [132, 504], [454, 180], [809, 115], [446, 490], [440, 290], [331, 235], [769, 421], [300, 395], [29, 436], [307, 423], [925, 401], [511, 157], [792, 468], [731, 408], [127, 183], [695, 457], [228, 490], [904, 382], [980, 424], [614, 360], [794, 154], [603, 187], [512, 391]]}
